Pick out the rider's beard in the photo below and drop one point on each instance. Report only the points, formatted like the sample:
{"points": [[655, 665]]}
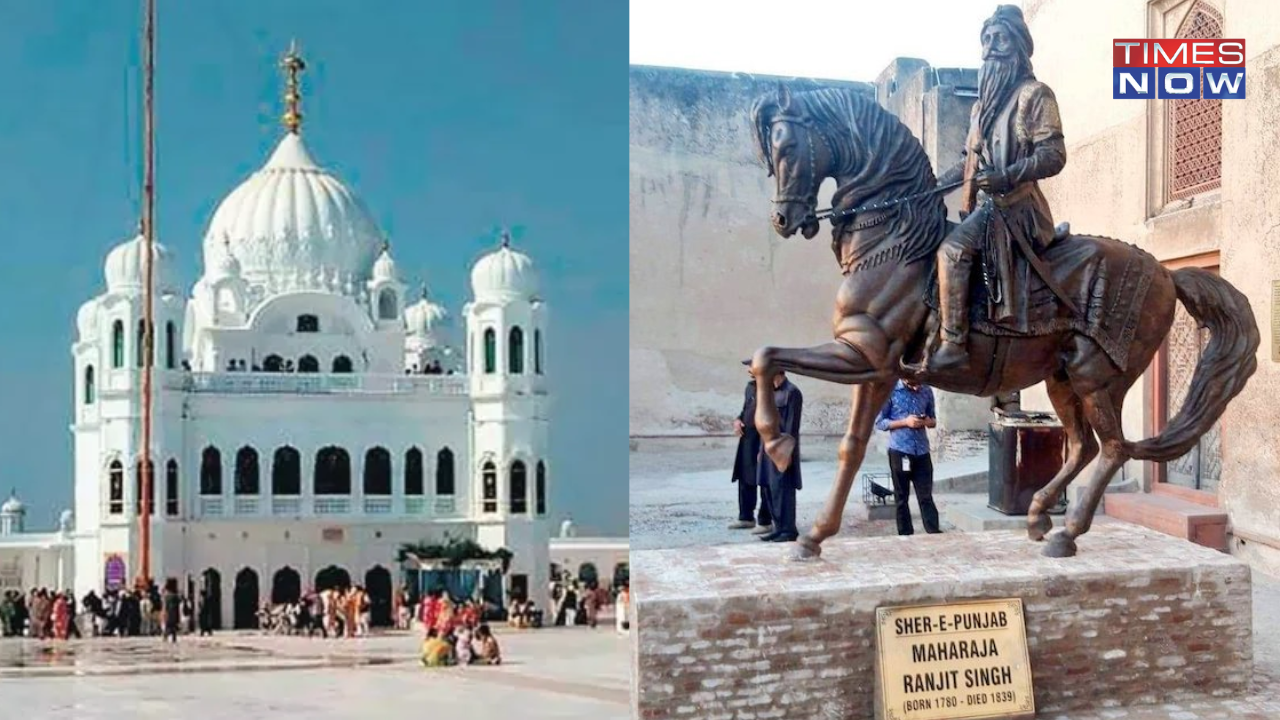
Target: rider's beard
{"points": [[996, 82]]}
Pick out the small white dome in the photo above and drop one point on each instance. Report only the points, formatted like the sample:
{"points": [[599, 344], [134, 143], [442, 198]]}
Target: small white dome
{"points": [[12, 506], [424, 316], [228, 265], [384, 268], [293, 218], [87, 320], [66, 520], [504, 274], [126, 267]]}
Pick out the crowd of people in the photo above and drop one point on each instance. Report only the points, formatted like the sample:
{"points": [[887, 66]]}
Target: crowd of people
{"points": [[46, 614], [333, 612]]}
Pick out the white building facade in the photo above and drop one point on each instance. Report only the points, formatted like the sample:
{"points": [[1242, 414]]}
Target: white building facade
{"points": [[309, 418]]}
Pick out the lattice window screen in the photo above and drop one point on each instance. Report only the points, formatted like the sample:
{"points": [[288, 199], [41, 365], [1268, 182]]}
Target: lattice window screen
{"points": [[1193, 163]]}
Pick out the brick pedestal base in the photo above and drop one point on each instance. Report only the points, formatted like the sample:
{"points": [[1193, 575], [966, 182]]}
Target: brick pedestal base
{"points": [[736, 632]]}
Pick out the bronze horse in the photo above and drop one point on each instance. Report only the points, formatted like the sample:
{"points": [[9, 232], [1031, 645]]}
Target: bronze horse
{"points": [[883, 317]]}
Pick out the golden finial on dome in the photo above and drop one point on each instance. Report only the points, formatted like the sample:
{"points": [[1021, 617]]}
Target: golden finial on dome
{"points": [[293, 66], [506, 237], [386, 246]]}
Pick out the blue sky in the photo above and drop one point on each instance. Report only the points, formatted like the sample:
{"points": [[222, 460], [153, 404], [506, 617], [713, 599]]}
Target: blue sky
{"points": [[446, 118]]}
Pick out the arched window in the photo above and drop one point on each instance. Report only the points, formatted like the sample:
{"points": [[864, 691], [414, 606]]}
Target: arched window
{"points": [[142, 343], [272, 363], [115, 488], [88, 385], [444, 472], [490, 351], [286, 472], [519, 490], [387, 305], [117, 344], [537, 351], [342, 364], [247, 471], [377, 472], [171, 488], [540, 489], [170, 346], [515, 351], [413, 471], [308, 324], [333, 472], [308, 364], [211, 471], [490, 477], [138, 487], [1194, 160]]}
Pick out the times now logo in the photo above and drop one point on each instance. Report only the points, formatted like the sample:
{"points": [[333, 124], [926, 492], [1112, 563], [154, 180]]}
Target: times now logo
{"points": [[1183, 69]]}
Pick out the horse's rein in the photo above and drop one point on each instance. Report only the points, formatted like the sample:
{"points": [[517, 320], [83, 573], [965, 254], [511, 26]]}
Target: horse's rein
{"points": [[833, 215]]}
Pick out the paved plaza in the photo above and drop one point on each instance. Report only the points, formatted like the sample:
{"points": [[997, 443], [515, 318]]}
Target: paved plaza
{"points": [[553, 673]]}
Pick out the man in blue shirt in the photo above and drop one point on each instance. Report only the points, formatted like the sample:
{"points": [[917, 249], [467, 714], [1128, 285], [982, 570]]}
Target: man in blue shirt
{"points": [[907, 414]]}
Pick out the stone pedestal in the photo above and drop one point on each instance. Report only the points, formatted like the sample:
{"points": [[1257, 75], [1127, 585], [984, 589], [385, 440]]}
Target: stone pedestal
{"points": [[738, 632]]}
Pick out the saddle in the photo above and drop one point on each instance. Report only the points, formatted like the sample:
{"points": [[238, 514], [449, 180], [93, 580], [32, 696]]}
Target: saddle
{"points": [[1106, 279]]}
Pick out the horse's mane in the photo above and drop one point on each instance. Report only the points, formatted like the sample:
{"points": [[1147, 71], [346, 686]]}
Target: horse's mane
{"points": [[875, 154]]}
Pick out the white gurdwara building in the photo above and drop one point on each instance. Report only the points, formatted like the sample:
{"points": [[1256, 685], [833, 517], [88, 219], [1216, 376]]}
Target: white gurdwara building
{"points": [[309, 417]]}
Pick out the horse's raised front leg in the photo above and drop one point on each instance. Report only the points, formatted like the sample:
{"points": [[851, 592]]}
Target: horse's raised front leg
{"points": [[843, 362]]}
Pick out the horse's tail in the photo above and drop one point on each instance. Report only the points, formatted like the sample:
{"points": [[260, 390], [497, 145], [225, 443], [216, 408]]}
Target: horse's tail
{"points": [[1227, 363]]}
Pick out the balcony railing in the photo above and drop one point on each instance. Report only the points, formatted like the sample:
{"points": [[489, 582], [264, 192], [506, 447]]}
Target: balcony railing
{"points": [[263, 383], [324, 505], [332, 505]]}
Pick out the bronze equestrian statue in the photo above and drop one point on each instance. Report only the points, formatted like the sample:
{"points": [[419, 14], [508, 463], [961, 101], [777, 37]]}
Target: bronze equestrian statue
{"points": [[1083, 314]]}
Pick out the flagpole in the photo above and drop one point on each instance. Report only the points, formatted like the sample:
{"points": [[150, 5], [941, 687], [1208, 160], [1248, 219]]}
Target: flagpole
{"points": [[146, 467]]}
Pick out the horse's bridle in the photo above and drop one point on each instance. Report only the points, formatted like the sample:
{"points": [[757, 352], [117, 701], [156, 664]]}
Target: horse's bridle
{"points": [[813, 160]]}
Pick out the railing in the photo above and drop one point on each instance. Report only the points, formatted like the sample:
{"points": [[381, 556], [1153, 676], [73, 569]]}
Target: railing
{"points": [[332, 505], [250, 506], [263, 383]]}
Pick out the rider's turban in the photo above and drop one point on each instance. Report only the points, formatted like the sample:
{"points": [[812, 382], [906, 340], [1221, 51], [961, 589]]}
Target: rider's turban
{"points": [[1011, 17]]}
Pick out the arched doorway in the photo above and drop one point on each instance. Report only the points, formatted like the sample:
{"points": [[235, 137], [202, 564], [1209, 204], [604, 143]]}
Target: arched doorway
{"points": [[588, 574], [286, 586], [245, 599], [377, 582], [332, 577], [211, 594]]}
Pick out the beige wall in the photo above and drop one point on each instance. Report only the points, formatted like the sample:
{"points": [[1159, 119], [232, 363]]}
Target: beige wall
{"points": [[1113, 185], [710, 280]]}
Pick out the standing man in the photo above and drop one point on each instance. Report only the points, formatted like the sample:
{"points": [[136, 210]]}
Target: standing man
{"points": [[782, 486], [905, 416], [745, 467]]}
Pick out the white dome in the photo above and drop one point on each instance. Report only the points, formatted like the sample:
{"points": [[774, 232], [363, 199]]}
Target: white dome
{"points": [[424, 316], [504, 274], [293, 219], [87, 320], [12, 506], [125, 268], [384, 268], [228, 265]]}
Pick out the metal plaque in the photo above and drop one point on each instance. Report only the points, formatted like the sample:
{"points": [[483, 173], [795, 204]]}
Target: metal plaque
{"points": [[335, 535], [1275, 321], [959, 661]]}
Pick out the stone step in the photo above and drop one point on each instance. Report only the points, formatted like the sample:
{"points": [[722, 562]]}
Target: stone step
{"points": [[1201, 524]]}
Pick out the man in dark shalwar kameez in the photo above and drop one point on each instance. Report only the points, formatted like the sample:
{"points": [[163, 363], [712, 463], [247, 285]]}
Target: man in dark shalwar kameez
{"points": [[744, 470], [783, 485]]}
